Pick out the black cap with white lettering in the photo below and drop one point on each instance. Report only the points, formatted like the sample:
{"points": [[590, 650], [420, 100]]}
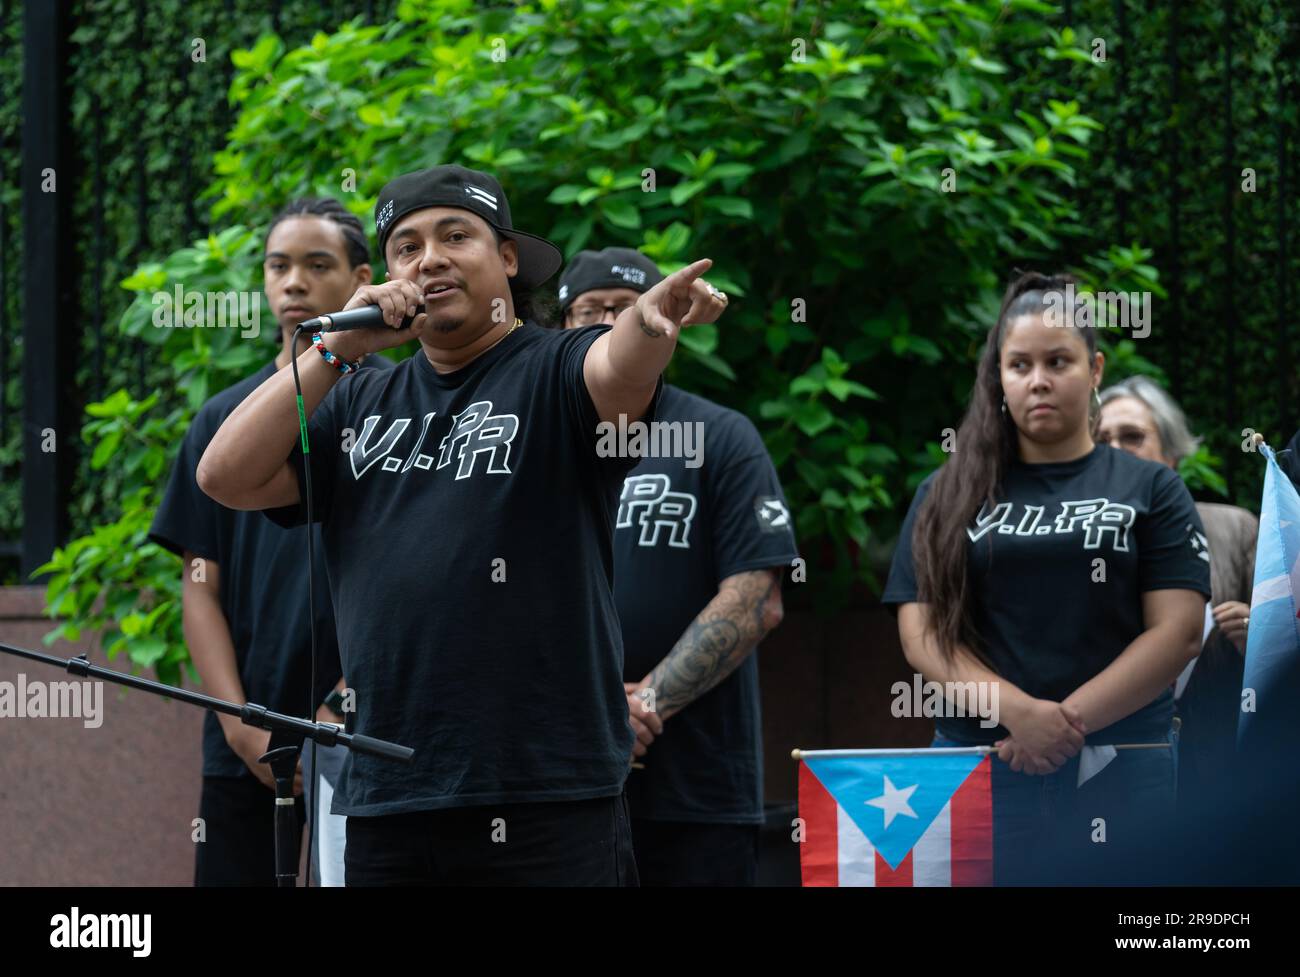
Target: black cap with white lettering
{"points": [[610, 268], [472, 190]]}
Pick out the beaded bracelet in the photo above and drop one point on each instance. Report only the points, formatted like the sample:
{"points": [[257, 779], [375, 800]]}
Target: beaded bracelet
{"points": [[340, 364]]}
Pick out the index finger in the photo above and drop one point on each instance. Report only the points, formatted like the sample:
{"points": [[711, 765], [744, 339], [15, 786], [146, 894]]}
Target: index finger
{"points": [[652, 720], [407, 288], [685, 276], [642, 712], [365, 295]]}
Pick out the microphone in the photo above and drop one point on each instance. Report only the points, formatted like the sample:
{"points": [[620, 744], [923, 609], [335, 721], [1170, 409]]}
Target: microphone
{"points": [[366, 317]]}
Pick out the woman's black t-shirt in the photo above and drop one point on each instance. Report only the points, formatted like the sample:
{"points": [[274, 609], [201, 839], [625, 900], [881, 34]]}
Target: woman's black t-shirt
{"points": [[1057, 571]]}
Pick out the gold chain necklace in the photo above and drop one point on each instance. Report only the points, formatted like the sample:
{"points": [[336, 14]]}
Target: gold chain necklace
{"points": [[518, 322]]}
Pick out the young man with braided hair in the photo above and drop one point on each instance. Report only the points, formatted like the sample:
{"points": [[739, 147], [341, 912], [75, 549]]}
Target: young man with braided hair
{"points": [[244, 604]]}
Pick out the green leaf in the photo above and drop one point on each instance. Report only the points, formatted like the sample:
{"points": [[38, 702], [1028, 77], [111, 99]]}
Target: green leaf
{"points": [[716, 364], [685, 191], [730, 171], [852, 476], [621, 212], [794, 146], [147, 650], [731, 206], [703, 338], [105, 450], [831, 499], [566, 193], [991, 67], [114, 405], [839, 389], [813, 419]]}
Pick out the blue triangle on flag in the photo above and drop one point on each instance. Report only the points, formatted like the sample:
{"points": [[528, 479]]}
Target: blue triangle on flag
{"points": [[907, 790]]}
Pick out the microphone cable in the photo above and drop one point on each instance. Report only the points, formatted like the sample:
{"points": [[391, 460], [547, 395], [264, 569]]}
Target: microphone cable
{"points": [[311, 595]]}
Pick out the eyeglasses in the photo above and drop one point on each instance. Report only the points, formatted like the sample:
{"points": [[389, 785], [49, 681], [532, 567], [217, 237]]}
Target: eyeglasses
{"points": [[589, 315], [1130, 439]]}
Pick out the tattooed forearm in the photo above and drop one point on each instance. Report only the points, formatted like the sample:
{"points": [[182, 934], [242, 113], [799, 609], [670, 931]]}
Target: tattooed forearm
{"points": [[717, 641], [702, 658]]}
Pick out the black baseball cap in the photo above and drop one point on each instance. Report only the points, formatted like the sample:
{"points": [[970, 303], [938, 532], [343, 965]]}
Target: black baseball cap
{"points": [[610, 268], [472, 190]]}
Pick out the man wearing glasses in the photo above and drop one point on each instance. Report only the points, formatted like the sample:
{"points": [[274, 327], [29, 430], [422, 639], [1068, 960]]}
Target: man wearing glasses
{"points": [[701, 540]]}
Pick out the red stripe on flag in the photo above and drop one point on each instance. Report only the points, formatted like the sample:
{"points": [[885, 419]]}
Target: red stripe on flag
{"points": [[972, 828], [819, 855], [900, 877]]}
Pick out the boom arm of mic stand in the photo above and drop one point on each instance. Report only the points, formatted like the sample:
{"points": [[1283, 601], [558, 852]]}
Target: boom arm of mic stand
{"points": [[249, 713]]}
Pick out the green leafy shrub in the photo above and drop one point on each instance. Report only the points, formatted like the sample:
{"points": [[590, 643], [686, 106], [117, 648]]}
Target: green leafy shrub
{"points": [[863, 174]]}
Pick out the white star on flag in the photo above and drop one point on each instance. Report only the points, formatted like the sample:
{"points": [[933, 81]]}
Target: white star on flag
{"points": [[894, 801]]}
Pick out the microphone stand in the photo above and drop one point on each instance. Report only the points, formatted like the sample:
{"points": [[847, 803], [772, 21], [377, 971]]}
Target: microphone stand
{"points": [[287, 735]]}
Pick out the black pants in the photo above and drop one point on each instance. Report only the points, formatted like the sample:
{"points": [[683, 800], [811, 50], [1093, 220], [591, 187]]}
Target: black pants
{"points": [[681, 853], [239, 824], [546, 843]]}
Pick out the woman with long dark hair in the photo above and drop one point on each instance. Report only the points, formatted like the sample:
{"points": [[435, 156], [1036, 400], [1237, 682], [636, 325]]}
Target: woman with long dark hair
{"points": [[1069, 576]]}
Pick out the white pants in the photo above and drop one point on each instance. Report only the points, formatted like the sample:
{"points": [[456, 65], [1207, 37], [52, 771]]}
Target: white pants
{"points": [[331, 830]]}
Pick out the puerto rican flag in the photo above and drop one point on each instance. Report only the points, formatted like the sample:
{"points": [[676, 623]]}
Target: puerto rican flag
{"points": [[896, 817]]}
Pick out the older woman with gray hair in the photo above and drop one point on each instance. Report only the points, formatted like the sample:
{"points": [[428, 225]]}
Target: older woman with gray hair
{"points": [[1137, 416], [1140, 418]]}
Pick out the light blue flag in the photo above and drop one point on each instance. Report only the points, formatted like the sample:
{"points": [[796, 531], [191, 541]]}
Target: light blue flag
{"points": [[1273, 638]]}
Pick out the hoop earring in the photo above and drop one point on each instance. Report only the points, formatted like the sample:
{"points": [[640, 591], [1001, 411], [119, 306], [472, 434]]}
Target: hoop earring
{"points": [[1096, 400], [1004, 406]]}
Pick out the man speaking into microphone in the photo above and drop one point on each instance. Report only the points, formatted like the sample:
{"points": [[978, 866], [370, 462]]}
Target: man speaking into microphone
{"points": [[466, 513]]}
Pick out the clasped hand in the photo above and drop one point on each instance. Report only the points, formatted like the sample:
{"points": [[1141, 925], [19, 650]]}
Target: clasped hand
{"points": [[1043, 739]]}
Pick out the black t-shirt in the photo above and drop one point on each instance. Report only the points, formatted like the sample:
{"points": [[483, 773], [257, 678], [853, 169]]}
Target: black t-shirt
{"points": [[263, 590], [1045, 624], [680, 531], [468, 534]]}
